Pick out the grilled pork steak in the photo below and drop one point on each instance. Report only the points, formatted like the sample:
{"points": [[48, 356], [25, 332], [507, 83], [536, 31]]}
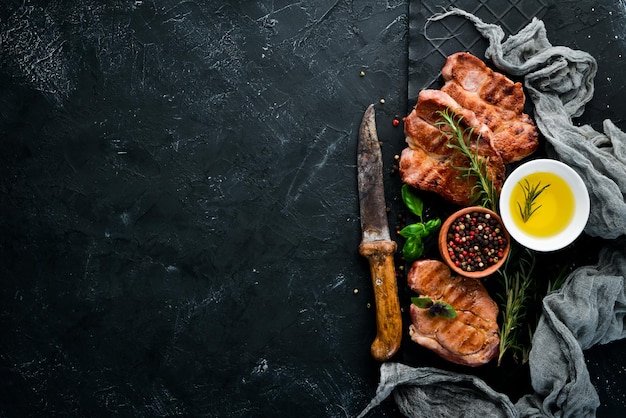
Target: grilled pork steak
{"points": [[497, 102], [488, 102], [472, 337], [428, 163]]}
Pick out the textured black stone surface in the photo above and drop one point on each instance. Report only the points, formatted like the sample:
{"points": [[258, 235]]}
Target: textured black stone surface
{"points": [[178, 210]]}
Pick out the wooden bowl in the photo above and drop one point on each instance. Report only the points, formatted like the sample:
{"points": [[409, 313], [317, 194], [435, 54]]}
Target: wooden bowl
{"points": [[478, 245]]}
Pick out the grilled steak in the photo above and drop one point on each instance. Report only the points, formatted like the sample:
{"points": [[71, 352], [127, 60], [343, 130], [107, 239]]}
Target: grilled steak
{"points": [[428, 163], [472, 337], [497, 102], [486, 101]]}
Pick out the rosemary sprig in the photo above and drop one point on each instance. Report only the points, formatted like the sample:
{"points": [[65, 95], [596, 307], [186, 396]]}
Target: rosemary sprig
{"points": [[520, 301], [531, 193], [514, 301], [483, 191], [558, 281]]}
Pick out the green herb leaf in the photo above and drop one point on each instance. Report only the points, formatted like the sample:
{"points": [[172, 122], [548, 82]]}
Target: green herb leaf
{"points": [[435, 308], [483, 191], [411, 201], [517, 281], [413, 248], [531, 193], [442, 309], [431, 225], [422, 303], [413, 230]]}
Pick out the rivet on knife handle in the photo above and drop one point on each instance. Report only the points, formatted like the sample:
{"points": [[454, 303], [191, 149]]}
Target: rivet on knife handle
{"points": [[376, 244]]}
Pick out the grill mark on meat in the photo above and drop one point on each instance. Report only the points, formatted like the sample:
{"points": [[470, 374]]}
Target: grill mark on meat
{"points": [[497, 102], [429, 163], [485, 100], [472, 337]]}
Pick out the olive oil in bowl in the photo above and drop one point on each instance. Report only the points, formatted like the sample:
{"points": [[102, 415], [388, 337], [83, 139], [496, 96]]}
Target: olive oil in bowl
{"points": [[544, 205], [552, 210]]}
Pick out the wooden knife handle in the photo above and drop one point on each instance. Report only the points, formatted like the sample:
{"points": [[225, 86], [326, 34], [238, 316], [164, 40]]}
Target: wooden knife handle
{"points": [[388, 316]]}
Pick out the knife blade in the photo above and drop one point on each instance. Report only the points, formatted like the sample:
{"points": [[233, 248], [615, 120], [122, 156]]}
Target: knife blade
{"points": [[376, 244]]}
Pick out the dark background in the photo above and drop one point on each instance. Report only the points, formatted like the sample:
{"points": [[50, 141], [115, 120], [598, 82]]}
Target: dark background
{"points": [[179, 219]]}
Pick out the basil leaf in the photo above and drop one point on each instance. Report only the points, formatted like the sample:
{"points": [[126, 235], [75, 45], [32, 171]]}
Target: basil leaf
{"points": [[431, 225], [442, 309], [423, 303], [411, 201], [413, 230], [413, 248], [435, 308], [410, 248]]}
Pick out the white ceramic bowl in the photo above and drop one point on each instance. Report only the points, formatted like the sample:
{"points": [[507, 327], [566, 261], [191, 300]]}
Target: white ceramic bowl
{"points": [[571, 230]]}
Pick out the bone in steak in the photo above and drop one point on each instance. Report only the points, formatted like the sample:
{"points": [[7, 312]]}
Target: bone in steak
{"points": [[428, 163], [497, 102], [469, 339]]}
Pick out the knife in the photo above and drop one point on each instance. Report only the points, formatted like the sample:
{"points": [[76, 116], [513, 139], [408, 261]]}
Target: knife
{"points": [[376, 244]]}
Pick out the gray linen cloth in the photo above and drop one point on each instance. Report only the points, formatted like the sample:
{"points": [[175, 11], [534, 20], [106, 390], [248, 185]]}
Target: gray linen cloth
{"points": [[589, 308]]}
